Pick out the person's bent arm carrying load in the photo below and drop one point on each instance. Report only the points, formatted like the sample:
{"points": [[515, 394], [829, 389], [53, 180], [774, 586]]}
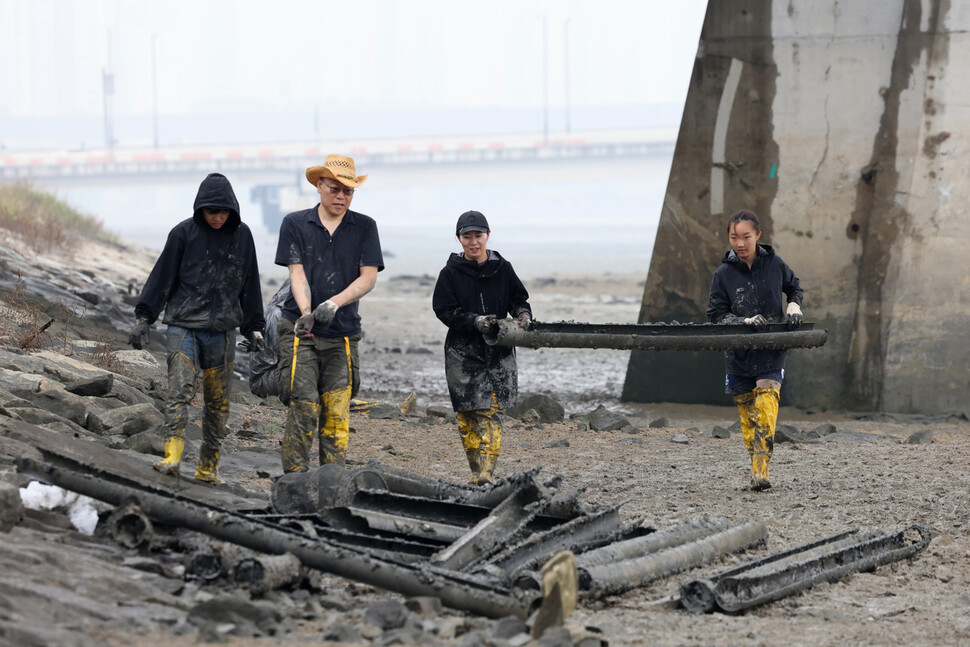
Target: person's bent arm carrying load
{"points": [[747, 289], [475, 289]]}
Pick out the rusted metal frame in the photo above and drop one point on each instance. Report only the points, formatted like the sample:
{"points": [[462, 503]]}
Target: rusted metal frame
{"points": [[273, 540], [659, 540], [510, 334], [608, 579], [782, 574]]}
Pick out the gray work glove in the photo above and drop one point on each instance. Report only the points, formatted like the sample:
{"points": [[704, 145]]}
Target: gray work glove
{"points": [[304, 326], [325, 312], [794, 315], [525, 321], [139, 335], [254, 342], [486, 323], [757, 321]]}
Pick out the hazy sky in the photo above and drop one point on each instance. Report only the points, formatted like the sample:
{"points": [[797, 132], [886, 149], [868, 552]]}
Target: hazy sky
{"points": [[256, 56]]}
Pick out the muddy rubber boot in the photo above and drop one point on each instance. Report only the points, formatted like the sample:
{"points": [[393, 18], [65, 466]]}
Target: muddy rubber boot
{"points": [[208, 469], [174, 446], [488, 468], [475, 463], [302, 422], [766, 403], [335, 430], [748, 414]]}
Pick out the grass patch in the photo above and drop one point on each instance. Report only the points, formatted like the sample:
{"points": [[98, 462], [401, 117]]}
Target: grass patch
{"points": [[45, 222]]}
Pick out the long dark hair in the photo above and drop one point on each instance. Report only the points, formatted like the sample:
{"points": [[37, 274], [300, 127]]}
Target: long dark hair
{"points": [[744, 215]]}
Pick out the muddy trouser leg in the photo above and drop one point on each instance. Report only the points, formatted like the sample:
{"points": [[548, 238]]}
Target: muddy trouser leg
{"points": [[298, 358], [766, 404], [182, 361], [216, 356], [491, 441], [470, 427], [338, 384]]}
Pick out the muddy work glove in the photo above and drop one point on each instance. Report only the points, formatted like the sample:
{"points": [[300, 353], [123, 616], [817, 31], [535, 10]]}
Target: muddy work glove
{"points": [[325, 312], [525, 321], [254, 342], [486, 323], [794, 315], [758, 321], [139, 335], [304, 326]]}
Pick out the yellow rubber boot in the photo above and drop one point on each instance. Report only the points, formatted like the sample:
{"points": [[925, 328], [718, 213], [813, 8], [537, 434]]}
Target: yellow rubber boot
{"points": [[491, 443], [408, 405], [335, 432], [475, 463], [766, 403], [174, 446], [488, 469], [208, 469]]}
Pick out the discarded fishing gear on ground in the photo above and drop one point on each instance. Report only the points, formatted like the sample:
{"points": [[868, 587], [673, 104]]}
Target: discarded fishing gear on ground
{"points": [[789, 571]]}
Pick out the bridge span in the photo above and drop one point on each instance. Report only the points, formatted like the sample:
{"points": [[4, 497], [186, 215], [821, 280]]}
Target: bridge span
{"points": [[268, 159]]}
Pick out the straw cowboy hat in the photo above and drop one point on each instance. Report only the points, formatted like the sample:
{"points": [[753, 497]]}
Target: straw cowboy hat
{"points": [[336, 167]]}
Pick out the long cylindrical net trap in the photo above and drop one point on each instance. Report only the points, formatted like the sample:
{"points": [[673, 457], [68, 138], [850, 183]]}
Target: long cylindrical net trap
{"points": [[787, 572], [266, 538], [689, 337]]}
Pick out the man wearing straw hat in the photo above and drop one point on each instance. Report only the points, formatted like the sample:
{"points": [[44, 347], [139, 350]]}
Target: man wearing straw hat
{"points": [[333, 255]]}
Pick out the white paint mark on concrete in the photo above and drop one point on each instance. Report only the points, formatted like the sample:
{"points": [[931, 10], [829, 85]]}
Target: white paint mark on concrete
{"points": [[720, 135]]}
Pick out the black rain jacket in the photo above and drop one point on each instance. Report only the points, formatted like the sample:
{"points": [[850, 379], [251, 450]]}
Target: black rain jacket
{"points": [[473, 369], [738, 292], [205, 278]]}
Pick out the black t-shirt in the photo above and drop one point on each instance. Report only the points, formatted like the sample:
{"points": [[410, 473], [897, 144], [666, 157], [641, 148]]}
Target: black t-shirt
{"points": [[331, 263]]}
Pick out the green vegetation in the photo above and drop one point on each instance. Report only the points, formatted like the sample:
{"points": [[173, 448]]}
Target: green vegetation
{"points": [[43, 221]]}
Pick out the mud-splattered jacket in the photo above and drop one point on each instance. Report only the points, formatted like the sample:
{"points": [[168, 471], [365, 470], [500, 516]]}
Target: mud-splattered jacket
{"points": [[474, 370], [738, 292], [205, 278]]}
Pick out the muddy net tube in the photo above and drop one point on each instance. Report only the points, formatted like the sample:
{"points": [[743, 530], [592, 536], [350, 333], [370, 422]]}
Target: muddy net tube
{"points": [[656, 336]]}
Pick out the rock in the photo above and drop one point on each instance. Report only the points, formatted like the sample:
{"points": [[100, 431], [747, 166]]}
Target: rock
{"points": [[386, 614], [250, 619], [46, 419], [921, 437], [20, 363], [549, 410], [141, 363], [853, 437], [824, 429], [530, 418], [629, 430], [556, 443], [385, 411], [97, 386], [150, 441], [435, 411], [556, 637], [131, 419], [60, 403], [719, 432], [736, 427], [418, 350], [425, 606], [659, 423], [787, 434], [11, 507], [509, 627], [602, 419], [342, 633], [680, 439], [631, 441]]}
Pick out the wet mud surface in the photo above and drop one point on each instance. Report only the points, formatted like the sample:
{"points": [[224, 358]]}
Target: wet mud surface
{"points": [[883, 472]]}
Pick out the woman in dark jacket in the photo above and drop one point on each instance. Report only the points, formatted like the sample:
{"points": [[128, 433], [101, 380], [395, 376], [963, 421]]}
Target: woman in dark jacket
{"points": [[747, 289], [475, 289]]}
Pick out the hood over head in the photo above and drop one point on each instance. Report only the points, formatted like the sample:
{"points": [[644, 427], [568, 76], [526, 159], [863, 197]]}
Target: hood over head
{"points": [[215, 192]]}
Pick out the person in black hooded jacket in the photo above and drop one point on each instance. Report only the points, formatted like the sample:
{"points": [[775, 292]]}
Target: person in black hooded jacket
{"points": [[207, 282], [747, 289], [475, 289]]}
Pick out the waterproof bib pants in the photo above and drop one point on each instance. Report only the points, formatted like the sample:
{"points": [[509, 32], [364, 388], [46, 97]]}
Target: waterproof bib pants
{"points": [[319, 377], [759, 415], [188, 352]]}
